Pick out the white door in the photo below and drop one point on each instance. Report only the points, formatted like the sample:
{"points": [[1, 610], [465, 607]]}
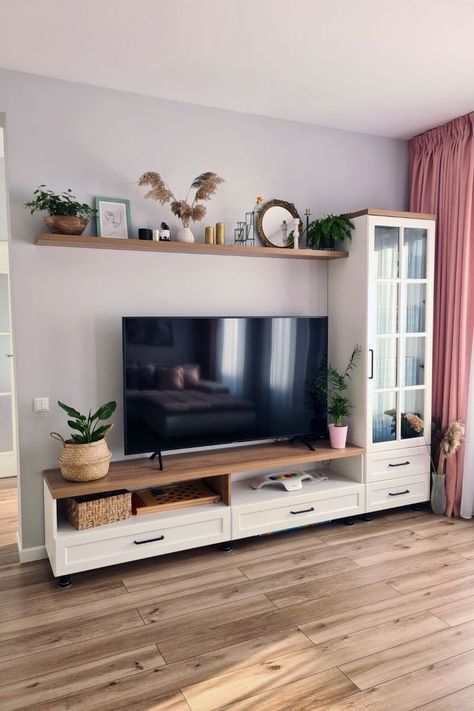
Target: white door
{"points": [[400, 332], [8, 464]]}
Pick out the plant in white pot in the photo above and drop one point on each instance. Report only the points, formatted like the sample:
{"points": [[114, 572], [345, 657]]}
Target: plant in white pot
{"points": [[86, 456], [332, 384]]}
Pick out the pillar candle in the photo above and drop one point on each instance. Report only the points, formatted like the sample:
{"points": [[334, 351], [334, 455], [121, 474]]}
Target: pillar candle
{"points": [[220, 233], [209, 235]]}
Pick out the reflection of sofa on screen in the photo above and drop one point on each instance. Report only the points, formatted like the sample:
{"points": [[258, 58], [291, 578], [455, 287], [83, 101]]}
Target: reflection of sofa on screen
{"points": [[174, 402]]}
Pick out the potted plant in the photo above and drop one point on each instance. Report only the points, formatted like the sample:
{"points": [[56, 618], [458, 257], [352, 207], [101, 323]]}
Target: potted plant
{"points": [[332, 384], [85, 456], [327, 231], [65, 215]]}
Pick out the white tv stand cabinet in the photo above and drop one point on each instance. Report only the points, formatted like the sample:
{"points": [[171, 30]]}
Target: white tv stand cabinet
{"points": [[242, 511]]}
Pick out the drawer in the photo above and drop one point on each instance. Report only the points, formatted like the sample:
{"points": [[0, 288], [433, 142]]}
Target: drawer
{"points": [[381, 466], [301, 511], [129, 540], [398, 492]]}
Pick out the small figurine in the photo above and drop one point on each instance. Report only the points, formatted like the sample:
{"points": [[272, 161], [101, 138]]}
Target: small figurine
{"points": [[165, 235]]}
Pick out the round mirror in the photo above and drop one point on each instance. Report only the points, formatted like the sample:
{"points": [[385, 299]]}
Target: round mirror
{"points": [[276, 222]]}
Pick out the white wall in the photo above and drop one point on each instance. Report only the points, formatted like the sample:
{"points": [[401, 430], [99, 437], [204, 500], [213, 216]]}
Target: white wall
{"points": [[68, 303]]}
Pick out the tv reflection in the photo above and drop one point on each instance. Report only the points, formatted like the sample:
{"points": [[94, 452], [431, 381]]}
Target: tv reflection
{"points": [[197, 381]]}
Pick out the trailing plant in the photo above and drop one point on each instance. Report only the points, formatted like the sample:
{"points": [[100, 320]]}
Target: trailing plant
{"points": [[332, 384], [205, 186], [327, 231], [88, 426], [62, 204]]}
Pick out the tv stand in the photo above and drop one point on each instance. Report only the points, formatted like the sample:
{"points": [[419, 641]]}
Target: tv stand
{"points": [[300, 438], [160, 458], [242, 511]]}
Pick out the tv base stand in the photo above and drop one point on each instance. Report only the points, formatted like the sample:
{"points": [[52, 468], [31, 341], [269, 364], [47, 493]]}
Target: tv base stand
{"points": [[160, 458], [299, 438]]}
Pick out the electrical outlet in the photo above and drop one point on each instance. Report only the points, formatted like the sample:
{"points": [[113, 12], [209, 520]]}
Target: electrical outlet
{"points": [[41, 404]]}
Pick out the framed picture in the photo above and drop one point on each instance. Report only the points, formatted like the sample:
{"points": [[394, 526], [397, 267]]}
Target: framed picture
{"points": [[113, 217]]}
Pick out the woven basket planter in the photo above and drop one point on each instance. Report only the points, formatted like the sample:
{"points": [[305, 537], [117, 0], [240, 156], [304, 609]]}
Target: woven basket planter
{"points": [[98, 509], [83, 462]]}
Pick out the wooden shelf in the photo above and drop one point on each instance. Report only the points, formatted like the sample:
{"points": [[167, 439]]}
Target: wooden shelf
{"points": [[132, 474], [228, 250]]}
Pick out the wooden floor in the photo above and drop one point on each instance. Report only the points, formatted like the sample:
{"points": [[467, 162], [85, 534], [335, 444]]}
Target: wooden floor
{"points": [[376, 616]]}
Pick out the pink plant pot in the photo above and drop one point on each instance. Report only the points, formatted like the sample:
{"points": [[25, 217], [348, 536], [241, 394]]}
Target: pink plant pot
{"points": [[338, 436]]}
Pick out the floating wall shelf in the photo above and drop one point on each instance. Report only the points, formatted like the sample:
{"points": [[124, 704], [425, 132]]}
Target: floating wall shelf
{"points": [[52, 240]]}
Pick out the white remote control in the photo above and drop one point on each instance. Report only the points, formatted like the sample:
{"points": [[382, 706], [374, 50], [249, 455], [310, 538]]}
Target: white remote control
{"points": [[291, 481]]}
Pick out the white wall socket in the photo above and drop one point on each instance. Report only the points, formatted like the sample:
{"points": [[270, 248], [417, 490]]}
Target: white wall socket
{"points": [[41, 404]]}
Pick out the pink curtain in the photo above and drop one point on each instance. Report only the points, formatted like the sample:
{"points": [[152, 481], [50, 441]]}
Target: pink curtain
{"points": [[442, 181]]}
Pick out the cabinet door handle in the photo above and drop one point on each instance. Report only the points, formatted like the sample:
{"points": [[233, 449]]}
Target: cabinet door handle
{"points": [[295, 513], [399, 493], [148, 540], [371, 351], [402, 464]]}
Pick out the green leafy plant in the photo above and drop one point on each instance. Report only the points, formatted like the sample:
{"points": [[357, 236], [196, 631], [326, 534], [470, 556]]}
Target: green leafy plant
{"points": [[45, 200], [332, 385], [327, 231], [89, 427]]}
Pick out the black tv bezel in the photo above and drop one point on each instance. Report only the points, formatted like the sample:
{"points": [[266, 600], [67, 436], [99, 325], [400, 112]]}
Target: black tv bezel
{"points": [[311, 436]]}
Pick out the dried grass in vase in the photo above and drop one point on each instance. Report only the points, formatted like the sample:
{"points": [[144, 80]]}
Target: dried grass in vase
{"points": [[205, 186], [451, 440]]}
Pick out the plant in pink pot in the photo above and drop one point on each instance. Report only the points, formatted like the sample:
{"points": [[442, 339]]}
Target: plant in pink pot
{"points": [[333, 385]]}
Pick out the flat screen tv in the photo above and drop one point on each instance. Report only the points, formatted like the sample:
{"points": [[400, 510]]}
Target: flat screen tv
{"points": [[193, 382]]}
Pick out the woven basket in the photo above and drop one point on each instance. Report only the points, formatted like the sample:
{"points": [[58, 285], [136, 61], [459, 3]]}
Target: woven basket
{"points": [[98, 509], [83, 462]]}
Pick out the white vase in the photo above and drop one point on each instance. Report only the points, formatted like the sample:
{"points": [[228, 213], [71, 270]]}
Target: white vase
{"points": [[185, 235], [296, 233]]}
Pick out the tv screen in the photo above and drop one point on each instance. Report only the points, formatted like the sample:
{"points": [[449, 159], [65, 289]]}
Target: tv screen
{"points": [[191, 382]]}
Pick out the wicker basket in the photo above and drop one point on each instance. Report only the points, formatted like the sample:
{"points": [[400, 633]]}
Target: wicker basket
{"points": [[83, 462], [98, 509]]}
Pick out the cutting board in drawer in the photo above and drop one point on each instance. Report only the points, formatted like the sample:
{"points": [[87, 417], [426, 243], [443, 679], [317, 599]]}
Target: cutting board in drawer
{"points": [[291, 511], [382, 466], [398, 492]]}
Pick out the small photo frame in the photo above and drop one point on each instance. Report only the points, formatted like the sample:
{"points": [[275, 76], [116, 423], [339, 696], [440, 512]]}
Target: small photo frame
{"points": [[113, 217]]}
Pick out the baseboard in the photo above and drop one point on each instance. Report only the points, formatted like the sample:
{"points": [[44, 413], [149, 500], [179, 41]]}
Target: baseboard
{"points": [[26, 555]]}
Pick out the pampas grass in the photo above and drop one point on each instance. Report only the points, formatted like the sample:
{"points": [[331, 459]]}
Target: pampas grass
{"points": [[205, 186], [451, 440]]}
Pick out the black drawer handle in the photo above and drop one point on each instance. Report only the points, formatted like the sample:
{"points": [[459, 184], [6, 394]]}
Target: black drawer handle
{"points": [[149, 540], [304, 511], [399, 493], [402, 464]]}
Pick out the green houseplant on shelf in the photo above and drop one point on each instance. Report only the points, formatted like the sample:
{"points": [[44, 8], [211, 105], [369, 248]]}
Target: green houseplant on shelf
{"points": [[333, 385], [65, 215], [86, 456], [328, 231]]}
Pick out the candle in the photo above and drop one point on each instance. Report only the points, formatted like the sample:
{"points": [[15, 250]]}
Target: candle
{"points": [[220, 233], [209, 235]]}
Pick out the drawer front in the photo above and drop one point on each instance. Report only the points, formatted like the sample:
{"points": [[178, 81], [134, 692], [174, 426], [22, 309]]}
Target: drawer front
{"points": [[398, 492], [252, 521], [382, 466], [156, 540]]}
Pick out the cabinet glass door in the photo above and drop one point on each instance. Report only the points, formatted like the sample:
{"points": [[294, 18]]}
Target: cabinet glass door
{"points": [[397, 331]]}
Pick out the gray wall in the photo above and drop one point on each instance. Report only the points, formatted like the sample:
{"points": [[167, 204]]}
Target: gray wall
{"points": [[68, 303]]}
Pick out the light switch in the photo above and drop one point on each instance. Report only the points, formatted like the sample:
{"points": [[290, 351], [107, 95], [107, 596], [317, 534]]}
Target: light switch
{"points": [[41, 404]]}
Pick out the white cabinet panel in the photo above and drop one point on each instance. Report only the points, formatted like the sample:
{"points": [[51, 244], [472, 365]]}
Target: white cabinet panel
{"points": [[382, 466], [398, 492]]}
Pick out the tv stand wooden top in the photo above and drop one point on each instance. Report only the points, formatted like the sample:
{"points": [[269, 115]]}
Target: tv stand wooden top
{"points": [[132, 474]]}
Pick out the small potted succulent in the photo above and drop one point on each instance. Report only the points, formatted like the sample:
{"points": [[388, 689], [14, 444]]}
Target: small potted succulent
{"points": [[85, 456], [326, 232], [333, 385], [65, 215]]}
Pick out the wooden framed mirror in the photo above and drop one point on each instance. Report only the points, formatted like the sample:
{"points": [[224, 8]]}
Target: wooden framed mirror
{"points": [[275, 221]]}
